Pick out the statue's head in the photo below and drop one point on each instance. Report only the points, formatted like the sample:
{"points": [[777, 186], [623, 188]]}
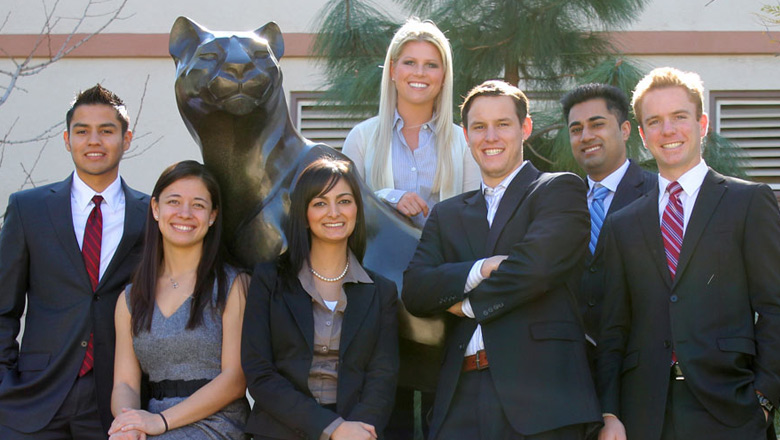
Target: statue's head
{"points": [[233, 72]]}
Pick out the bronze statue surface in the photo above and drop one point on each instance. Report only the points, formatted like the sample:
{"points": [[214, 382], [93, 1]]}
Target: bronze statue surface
{"points": [[229, 93]]}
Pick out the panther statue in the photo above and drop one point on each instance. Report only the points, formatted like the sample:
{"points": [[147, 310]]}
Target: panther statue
{"points": [[229, 93]]}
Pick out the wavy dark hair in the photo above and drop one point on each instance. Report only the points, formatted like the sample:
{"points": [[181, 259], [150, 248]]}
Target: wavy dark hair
{"points": [[211, 268], [316, 179]]}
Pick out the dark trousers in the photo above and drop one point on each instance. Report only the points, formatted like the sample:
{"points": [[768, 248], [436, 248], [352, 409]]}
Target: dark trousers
{"points": [[77, 418], [401, 425], [475, 413], [686, 419]]}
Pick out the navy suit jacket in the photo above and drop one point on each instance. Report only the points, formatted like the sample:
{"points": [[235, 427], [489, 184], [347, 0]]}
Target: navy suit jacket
{"points": [[635, 183], [530, 324], [721, 313], [41, 263], [276, 355]]}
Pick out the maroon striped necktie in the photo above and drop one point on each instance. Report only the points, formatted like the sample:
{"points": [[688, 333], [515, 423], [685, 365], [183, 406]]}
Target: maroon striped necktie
{"points": [[90, 249], [672, 233]]}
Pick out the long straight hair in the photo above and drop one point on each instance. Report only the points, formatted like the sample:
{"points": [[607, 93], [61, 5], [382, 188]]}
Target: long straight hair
{"points": [[317, 179], [415, 30], [211, 267]]}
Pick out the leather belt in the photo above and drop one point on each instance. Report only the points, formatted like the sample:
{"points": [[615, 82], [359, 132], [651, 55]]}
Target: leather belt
{"points": [[475, 362], [175, 388], [677, 373]]}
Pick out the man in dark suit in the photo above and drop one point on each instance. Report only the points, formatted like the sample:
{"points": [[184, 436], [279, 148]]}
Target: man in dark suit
{"points": [[597, 118], [500, 260], [67, 250], [690, 345]]}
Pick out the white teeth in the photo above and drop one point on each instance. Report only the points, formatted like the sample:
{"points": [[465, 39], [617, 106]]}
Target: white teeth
{"points": [[418, 85], [672, 145], [334, 225], [589, 149], [183, 228], [493, 151], [94, 154]]}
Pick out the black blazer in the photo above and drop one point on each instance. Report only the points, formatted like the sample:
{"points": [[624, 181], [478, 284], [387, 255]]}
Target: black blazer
{"points": [[276, 354], [530, 325], [40, 262], [729, 269], [635, 183]]}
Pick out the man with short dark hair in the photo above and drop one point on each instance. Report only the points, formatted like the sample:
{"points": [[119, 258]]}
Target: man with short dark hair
{"points": [[597, 119], [690, 345], [503, 262], [67, 250]]}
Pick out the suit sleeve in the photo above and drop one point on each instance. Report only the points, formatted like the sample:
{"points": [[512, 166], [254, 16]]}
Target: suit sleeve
{"points": [[431, 284], [274, 393], [615, 325], [551, 248], [761, 250], [378, 391], [14, 270]]}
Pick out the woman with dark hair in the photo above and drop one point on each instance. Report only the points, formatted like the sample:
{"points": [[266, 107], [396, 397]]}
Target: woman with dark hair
{"points": [[320, 344], [180, 321]]}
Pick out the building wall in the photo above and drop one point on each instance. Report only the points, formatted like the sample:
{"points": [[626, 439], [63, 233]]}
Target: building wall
{"points": [[720, 39]]}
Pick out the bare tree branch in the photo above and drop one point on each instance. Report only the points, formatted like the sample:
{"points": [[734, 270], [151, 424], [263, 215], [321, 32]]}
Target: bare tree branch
{"points": [[28, 174]]}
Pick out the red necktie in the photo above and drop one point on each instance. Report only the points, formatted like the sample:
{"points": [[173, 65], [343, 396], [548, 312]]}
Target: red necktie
{"points": [[90, 249], [672, 233], [672, 227]]}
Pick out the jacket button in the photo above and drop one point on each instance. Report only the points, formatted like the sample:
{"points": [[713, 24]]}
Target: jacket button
{"points": [[484, 313], [97, 297], [667, 344], [460, 346], [592, 269], [490, 309], [673, 298], [83, 343]]}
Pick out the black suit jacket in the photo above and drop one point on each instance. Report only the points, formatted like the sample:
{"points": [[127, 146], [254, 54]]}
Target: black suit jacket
{"points": [[635, 183], [41, 263], [276, 354], [531, 329], [728, 270]]}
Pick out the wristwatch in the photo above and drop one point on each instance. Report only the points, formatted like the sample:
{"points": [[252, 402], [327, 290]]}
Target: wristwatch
{"points": [[764, 402]]}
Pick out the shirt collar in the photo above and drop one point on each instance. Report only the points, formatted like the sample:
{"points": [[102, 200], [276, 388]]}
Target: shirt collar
{"points": [[398, 122], [690, 181], [83, 194], [612, 181], [507, 180]]}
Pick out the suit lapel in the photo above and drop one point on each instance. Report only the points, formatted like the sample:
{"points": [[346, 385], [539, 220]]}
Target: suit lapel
{"points": [[61, 217], [359, 297], [135, 217], [628, 190], [300, 304], [510, 201], [474, 222], [712, 190], [650, 225]]}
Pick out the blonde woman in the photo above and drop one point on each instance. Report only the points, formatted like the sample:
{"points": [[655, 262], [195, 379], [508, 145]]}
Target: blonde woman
{"points": [[411, 154]]}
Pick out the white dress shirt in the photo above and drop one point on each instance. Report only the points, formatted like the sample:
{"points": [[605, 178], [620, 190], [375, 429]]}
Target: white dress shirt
{"points": [[112, 208], [691, 184], [611, 183], [475, 274]]}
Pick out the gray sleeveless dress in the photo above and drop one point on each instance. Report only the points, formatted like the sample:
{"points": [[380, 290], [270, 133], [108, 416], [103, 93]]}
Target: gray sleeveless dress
{"points": [[171, 352]]}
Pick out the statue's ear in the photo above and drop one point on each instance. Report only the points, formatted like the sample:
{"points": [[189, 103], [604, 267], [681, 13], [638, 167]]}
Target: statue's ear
{"points": [[271, 33], [186, 35]]}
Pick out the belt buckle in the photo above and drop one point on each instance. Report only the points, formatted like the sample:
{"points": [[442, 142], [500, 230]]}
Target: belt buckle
{"points": [[480, 367]]}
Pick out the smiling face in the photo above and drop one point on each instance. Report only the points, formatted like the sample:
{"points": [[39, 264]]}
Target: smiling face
{"points": [[598, 140], [96, 144], [418, 73], [331, 216], [671, 131], [495, 136], [184, 212]]}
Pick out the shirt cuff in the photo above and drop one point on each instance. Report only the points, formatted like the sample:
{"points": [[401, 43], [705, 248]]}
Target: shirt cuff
{"points": [[390, 195], [465, 306], [330, 428], [475, 277]]}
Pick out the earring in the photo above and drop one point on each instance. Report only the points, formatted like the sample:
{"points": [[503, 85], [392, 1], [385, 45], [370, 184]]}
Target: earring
{"points": [[156, 218], [211, 223]]}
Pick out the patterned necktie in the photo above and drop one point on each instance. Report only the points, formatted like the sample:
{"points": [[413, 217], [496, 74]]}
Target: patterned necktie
{"points": [[90, 249], [672, 227], [597, 215]]}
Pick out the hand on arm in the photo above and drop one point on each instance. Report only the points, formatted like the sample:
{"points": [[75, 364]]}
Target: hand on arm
{"points": [[354, 431], [613, 429]]}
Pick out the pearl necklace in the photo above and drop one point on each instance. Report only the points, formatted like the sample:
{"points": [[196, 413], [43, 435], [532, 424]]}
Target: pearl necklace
{"points": [[331, 280]]}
